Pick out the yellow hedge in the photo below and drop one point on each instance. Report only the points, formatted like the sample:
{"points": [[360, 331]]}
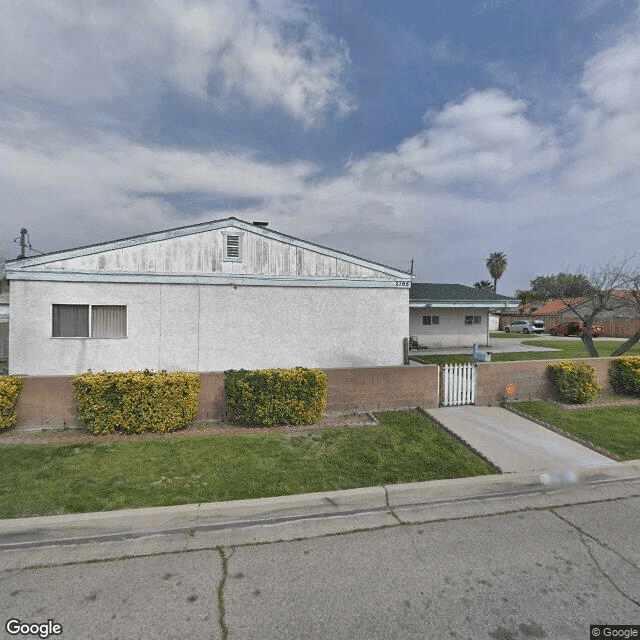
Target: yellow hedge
{"points": [[273, 397], [10, 388], [574, 381], [625, 375], [136, 401]]}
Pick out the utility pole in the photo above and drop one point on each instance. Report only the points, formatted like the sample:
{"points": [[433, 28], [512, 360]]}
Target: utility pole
{"points": [[23, 243]]}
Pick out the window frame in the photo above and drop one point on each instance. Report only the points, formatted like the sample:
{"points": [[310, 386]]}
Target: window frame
{"points": [[433, 320], [89, 335]]}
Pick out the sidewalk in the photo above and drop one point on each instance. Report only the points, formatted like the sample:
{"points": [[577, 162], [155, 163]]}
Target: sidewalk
{"points": [[52, 540]]}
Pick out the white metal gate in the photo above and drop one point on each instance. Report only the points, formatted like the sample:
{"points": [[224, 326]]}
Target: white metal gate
{"points": [[458, 384]]}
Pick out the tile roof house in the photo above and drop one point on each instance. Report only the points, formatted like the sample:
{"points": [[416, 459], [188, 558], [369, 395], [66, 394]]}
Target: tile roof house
{"points": [[621, 319], [208, 297], [452, 315]]}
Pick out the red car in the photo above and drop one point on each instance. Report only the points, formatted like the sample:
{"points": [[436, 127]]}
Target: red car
{"points": [[574, 329]]}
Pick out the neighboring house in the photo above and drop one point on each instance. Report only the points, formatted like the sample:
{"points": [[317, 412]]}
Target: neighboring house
{"points": [[207, 297], [452, 315], [620, 320]]}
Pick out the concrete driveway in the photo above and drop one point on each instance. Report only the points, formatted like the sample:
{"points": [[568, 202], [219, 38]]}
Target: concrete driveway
{"points": [[513, 443], [505, 345]]}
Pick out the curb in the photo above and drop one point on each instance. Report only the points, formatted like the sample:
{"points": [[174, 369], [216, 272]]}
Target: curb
{"points": [[24, 533]]}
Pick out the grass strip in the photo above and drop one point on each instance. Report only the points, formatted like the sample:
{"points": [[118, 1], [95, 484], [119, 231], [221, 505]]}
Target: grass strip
{"points": [[616, 429], [78, 478]]}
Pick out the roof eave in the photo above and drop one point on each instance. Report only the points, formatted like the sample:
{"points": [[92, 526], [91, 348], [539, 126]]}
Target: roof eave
{"points": [[467, 304]]}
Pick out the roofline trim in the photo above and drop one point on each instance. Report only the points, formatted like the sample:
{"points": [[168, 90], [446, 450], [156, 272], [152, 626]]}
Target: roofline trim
{"points": [[440, 304], [208, 279]]}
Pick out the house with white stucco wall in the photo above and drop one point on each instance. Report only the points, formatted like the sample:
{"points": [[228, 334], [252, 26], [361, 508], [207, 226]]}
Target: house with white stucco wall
{"points": [[225, 294], [453, 315]]}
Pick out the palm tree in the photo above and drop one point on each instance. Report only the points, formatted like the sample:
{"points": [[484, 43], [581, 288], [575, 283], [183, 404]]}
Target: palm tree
{"points": [[483, 285], [497, 265]]}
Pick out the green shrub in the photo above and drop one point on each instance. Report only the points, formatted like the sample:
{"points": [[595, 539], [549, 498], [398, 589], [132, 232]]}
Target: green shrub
{"points": [[10, 388], [625, 375], [273, 397], [575, 382], [136, 401]]}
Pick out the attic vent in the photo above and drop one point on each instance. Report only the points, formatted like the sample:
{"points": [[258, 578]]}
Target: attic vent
{"points": [[233, 246], [260, 224]]}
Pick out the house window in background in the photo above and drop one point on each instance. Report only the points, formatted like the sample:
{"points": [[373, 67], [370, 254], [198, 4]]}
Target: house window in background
{"points": [[428, 320], [83, 320]]}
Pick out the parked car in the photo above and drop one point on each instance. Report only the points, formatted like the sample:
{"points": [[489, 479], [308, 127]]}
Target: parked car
{"points": [[574, 328], [525, 326]]}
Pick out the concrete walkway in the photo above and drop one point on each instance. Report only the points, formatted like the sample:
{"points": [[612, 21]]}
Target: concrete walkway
{"points": [[513, 443]]}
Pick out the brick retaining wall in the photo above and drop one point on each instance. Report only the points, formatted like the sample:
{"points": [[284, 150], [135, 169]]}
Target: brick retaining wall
{"points": [[374, 388], [49, 401], [529, 378]]}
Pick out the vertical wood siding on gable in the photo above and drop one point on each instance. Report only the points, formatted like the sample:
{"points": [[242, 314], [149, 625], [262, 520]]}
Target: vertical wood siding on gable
{"points": [[204, 253]]}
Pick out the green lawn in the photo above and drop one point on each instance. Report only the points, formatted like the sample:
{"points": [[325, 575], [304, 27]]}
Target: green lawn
{"points": [[76, 478], [616, 429], [566, 349]]}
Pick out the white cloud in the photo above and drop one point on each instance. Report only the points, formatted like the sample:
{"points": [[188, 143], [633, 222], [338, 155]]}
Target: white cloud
{"points": [[80, 53], [608, 121], [55, 183], [484, 138]]}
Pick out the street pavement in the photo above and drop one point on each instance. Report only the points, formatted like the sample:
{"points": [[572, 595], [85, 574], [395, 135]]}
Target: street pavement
{"points": [[542, 551], [490, 569]]}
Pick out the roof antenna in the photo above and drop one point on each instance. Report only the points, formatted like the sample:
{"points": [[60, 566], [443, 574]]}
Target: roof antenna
{"points": [[25, 244]]}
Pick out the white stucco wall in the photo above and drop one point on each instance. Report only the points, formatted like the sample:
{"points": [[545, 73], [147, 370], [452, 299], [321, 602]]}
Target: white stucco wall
{"points": [[452, 331], [211, 327]]}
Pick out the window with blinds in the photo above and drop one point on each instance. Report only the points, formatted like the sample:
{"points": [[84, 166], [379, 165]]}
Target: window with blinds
{"points": [[108, 321], [70, 321], [83, 321]]}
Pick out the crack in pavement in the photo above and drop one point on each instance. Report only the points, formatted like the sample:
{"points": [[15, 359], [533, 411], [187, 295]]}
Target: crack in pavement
{"points": [[389, 509], [224, 630], [584, 538]]}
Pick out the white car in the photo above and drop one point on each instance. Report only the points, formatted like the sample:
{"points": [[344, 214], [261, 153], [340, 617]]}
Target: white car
{"points": [[525, 326]]}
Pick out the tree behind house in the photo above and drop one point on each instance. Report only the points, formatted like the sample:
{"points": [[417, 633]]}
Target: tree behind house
{"points": [[591, 295], [497, 265]]}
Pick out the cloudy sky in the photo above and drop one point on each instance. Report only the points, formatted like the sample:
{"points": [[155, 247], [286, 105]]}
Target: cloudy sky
{"points": [[439, 130]]}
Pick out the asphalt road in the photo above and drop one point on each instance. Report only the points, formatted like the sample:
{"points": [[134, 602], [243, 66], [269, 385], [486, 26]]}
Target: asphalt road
{"points": [[535, 573]]}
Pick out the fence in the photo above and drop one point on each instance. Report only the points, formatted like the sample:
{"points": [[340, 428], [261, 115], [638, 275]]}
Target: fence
{"points": [[613, 327], [458, 384]]}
